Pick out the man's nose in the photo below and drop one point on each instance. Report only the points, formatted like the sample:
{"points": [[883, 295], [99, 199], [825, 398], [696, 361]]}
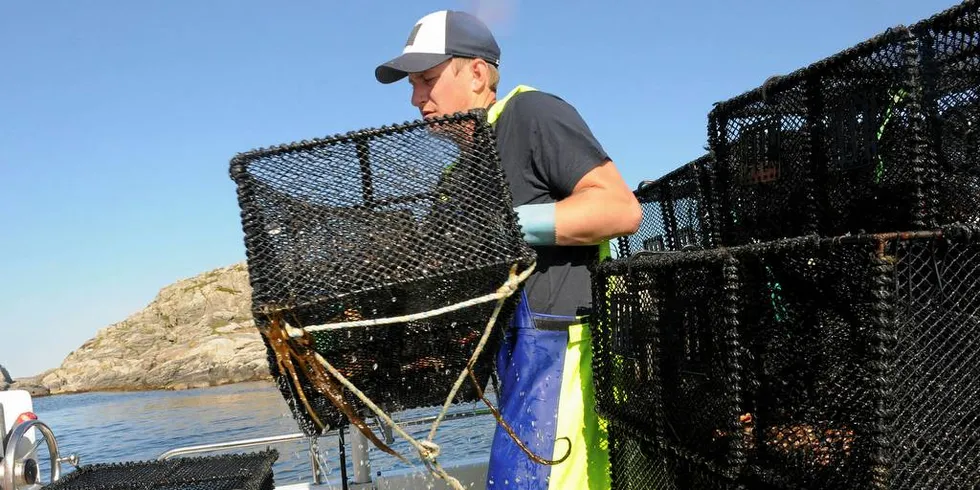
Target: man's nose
{"points": [[419, 97]]}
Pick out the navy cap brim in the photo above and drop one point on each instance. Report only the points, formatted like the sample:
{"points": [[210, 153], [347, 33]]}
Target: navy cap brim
{"points": [[401, 66]]}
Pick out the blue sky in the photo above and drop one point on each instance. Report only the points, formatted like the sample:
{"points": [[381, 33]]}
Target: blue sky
{"points": [[119, 117]]}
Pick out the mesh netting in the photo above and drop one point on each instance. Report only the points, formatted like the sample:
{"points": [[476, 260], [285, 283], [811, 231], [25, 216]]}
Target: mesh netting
{"points": [[378, 224], [638, 464], [635, 465], [251, 471], [833, 148], [936, 392], [803, 363], [950, 47], [654, 315], [676, 211]]}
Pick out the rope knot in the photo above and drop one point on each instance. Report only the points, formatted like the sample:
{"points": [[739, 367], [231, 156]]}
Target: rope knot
{"points": [[508, 289], [513, 282], [431, 450]]}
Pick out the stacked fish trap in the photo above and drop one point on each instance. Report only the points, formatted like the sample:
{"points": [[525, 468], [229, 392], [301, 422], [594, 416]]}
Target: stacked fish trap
{"points": [[828, 338], [245, 471], [366, 244], [675, 212]]}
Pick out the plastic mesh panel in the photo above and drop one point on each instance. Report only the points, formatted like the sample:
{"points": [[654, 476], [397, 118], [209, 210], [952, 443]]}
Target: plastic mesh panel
{"points": [[638, 464], [834, 148], [937, 364], [251, 471], [676, 211], [375, 224], [846, 362], [634, 465], [950, 46]]}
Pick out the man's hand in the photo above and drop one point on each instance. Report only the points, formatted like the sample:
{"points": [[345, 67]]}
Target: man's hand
{"points": [[601, 207]]}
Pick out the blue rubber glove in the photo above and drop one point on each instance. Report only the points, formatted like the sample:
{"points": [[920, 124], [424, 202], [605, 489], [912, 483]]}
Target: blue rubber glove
{"points": [[537, 221]]}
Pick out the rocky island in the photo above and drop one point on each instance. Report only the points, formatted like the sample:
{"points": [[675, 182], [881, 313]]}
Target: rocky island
{"points": [[197, 332]]}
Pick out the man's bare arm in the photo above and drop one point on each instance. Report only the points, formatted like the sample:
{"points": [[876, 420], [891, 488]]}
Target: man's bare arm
{"points": [[601, 207]]}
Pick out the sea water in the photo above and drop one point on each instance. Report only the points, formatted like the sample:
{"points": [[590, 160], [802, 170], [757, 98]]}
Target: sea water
{"points": [[139, 426]]}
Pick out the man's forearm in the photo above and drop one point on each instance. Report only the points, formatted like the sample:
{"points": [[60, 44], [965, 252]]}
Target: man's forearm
{"points": [[595, 215], [587, 217]]}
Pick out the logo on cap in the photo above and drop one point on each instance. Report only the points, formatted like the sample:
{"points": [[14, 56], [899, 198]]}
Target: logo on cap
{"points": [[411, 36]]}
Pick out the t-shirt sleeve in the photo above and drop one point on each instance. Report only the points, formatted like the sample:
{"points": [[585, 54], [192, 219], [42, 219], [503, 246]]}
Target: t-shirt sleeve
{"points": [[563, 148]]}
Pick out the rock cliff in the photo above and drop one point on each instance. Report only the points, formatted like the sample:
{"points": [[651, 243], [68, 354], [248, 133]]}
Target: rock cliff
{"points": [[4, 378], [197, 332]]}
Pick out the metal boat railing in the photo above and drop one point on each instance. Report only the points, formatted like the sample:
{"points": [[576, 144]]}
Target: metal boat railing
{"points": [[362, 467]]}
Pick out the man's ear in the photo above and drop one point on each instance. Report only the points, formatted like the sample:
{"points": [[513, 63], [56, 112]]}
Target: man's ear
{"points": [[480, 73]]}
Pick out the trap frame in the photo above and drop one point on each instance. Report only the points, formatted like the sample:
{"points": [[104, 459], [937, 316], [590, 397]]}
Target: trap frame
{"points": [[879, 137], [799, 363], [836, 147], [949, 58], [677, 211], [382, 262], [241, 471], [828, 341]]}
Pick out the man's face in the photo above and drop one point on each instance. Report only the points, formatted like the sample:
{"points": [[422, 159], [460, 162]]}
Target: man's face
{"points": [[442, 90]]}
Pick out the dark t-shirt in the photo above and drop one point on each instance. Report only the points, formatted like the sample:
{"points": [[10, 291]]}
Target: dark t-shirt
{"points": [[545, 147]]}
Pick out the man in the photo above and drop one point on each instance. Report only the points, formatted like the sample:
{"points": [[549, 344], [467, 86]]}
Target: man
{"points": [[570, 201]]}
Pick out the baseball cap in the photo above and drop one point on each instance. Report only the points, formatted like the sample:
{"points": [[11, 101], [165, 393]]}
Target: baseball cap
{"points": [[438, 37]]}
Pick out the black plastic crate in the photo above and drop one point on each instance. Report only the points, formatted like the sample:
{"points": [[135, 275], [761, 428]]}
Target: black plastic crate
{"points": [[836, 147], [949, 44], [677, 211], [835, 363]]}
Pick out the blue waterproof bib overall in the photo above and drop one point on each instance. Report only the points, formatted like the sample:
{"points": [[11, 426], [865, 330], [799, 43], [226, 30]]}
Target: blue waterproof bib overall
{"points": [[546, 393]]}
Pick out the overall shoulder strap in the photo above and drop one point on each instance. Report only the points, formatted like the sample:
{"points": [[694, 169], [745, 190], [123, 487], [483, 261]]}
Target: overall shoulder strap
{"points": [[498, 107]]}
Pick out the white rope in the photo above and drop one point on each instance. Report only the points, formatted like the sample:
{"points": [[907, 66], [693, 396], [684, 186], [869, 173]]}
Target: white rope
{"points": [[499, 294], [427, 449], [505, 291]]}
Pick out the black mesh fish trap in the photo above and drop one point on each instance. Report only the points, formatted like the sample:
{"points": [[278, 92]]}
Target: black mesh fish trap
{"points": [[677, 212], [950, 50], [249, 471], [666, 360], [834, 363], [836, 147], [377, 224]]}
